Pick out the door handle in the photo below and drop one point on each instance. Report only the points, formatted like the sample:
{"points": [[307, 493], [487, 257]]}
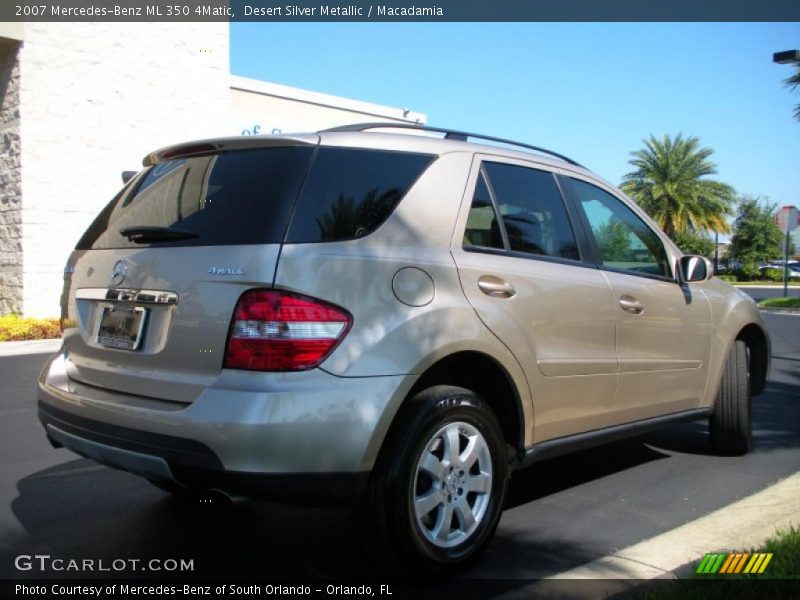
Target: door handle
{"points": [[496, 287], [631, 305]]}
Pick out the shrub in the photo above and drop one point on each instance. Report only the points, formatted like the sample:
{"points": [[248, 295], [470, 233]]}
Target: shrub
{"points": [[748, 272], [773, 274], [14, 327], [742, 276]]}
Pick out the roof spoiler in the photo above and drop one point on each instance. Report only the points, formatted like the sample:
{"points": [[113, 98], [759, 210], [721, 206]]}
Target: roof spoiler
{"points": [[242, 142]]}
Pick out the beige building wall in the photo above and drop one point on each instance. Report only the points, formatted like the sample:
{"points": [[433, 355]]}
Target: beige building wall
{"points": [[264, 107], [10, 180], [94, 99]]}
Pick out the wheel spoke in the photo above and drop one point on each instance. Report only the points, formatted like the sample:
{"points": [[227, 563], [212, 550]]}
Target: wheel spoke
{"points": [[451, 443], [464, 515], [480, 483], [470, 454], [425, 504], [443, 524], [432, 465]]}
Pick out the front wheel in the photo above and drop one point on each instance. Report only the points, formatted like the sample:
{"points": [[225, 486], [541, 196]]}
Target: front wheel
{"points": [[437, 491], [730, 426]]}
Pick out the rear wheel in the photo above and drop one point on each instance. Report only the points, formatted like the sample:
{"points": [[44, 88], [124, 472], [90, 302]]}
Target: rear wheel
{"points": [[436, 494], [731, 424]]}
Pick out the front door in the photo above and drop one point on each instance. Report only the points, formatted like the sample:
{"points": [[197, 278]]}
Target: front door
{"points": [[663, 328]]}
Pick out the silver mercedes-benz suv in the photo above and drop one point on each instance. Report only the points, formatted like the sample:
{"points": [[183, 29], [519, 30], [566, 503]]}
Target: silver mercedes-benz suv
{"points": [[393, 317]]}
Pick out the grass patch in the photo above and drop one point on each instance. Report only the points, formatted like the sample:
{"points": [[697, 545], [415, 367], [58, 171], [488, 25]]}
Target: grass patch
{"points": [[15, 328], [792, 284], [781, 577], [785, 545], [790, 302]]}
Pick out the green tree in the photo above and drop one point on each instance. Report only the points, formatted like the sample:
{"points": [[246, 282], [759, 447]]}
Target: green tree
{"points": [[614, 242], [755, 238], [670, 182], [694, 243], [792, 83]]}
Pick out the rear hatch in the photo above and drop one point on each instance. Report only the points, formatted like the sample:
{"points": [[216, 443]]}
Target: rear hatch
{"points": [[152, 285]]}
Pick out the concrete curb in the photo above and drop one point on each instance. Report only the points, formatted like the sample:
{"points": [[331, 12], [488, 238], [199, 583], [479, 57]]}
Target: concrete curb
{"points": [[742, 525], [29, 347], [777, 286], [780, 310]]}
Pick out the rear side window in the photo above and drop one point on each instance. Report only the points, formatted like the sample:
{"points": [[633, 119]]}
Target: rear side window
{"points": [[351, 192], [238, 197], [532, 211]]}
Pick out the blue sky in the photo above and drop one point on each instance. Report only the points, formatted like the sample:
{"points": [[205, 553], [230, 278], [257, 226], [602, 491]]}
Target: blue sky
{"points": [[591, 91]]}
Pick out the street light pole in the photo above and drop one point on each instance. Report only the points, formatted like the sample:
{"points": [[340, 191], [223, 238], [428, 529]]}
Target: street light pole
{"points": [[787, 57]]}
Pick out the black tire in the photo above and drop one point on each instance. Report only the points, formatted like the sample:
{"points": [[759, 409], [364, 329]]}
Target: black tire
{"points": [[410, 545], [730, 425]]}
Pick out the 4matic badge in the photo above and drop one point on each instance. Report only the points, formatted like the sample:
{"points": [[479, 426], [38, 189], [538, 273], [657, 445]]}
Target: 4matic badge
{"points": [[225, 271]]}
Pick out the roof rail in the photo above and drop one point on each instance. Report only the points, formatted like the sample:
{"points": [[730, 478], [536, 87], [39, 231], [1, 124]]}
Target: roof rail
{"points": [[449, 134]]}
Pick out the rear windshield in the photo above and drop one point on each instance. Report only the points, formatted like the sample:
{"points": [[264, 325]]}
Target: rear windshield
{"points": [[239, 197], [248, 196]]}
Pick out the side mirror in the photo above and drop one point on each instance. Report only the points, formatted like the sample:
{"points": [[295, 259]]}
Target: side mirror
{"points": [[695, 268], [127, 176]]}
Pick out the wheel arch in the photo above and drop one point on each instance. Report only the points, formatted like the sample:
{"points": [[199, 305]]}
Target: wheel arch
{"points": [[758, 346], [484, 375]]}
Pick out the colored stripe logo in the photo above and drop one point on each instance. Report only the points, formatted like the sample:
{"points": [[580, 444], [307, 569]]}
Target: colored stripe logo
{"points": [[737, 562]]}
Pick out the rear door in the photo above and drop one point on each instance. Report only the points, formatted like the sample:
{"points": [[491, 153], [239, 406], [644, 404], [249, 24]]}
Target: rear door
{"points": [[518, 253], [153, 283]]}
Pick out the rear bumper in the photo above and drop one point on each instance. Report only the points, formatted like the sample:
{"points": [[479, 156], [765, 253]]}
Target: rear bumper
{"points": [[305, 435]]}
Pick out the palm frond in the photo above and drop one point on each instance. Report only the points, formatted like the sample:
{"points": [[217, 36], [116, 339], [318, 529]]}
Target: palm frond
{"points": [[671, 183]]}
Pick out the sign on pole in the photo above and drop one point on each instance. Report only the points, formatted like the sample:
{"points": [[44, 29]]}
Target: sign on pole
{"points": [[787, 220]]}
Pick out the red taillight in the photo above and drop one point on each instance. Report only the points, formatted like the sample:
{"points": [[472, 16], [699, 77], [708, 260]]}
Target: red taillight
{"points": [[278, 331]]}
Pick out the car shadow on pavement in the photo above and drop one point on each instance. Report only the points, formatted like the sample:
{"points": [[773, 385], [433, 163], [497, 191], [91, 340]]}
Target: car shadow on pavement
{"points": [[776, 425], [82, 510], [557, 474]]}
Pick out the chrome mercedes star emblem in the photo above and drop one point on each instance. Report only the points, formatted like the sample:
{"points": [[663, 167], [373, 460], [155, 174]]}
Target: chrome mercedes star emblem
{"points": [[119, 272]]}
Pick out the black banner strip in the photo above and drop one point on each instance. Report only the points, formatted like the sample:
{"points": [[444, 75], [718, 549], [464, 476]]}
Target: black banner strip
{"points": [[398, 11]]}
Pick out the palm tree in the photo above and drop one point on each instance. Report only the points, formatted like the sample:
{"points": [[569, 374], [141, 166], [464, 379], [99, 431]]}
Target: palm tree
{"points": [[671, 184], [792, 82]]}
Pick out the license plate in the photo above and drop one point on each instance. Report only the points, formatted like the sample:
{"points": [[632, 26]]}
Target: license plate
{"points": [[121, 327]]}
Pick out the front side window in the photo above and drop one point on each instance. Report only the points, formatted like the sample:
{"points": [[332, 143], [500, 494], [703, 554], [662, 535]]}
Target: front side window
{"points": [[624, 241], [531, 208]]}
